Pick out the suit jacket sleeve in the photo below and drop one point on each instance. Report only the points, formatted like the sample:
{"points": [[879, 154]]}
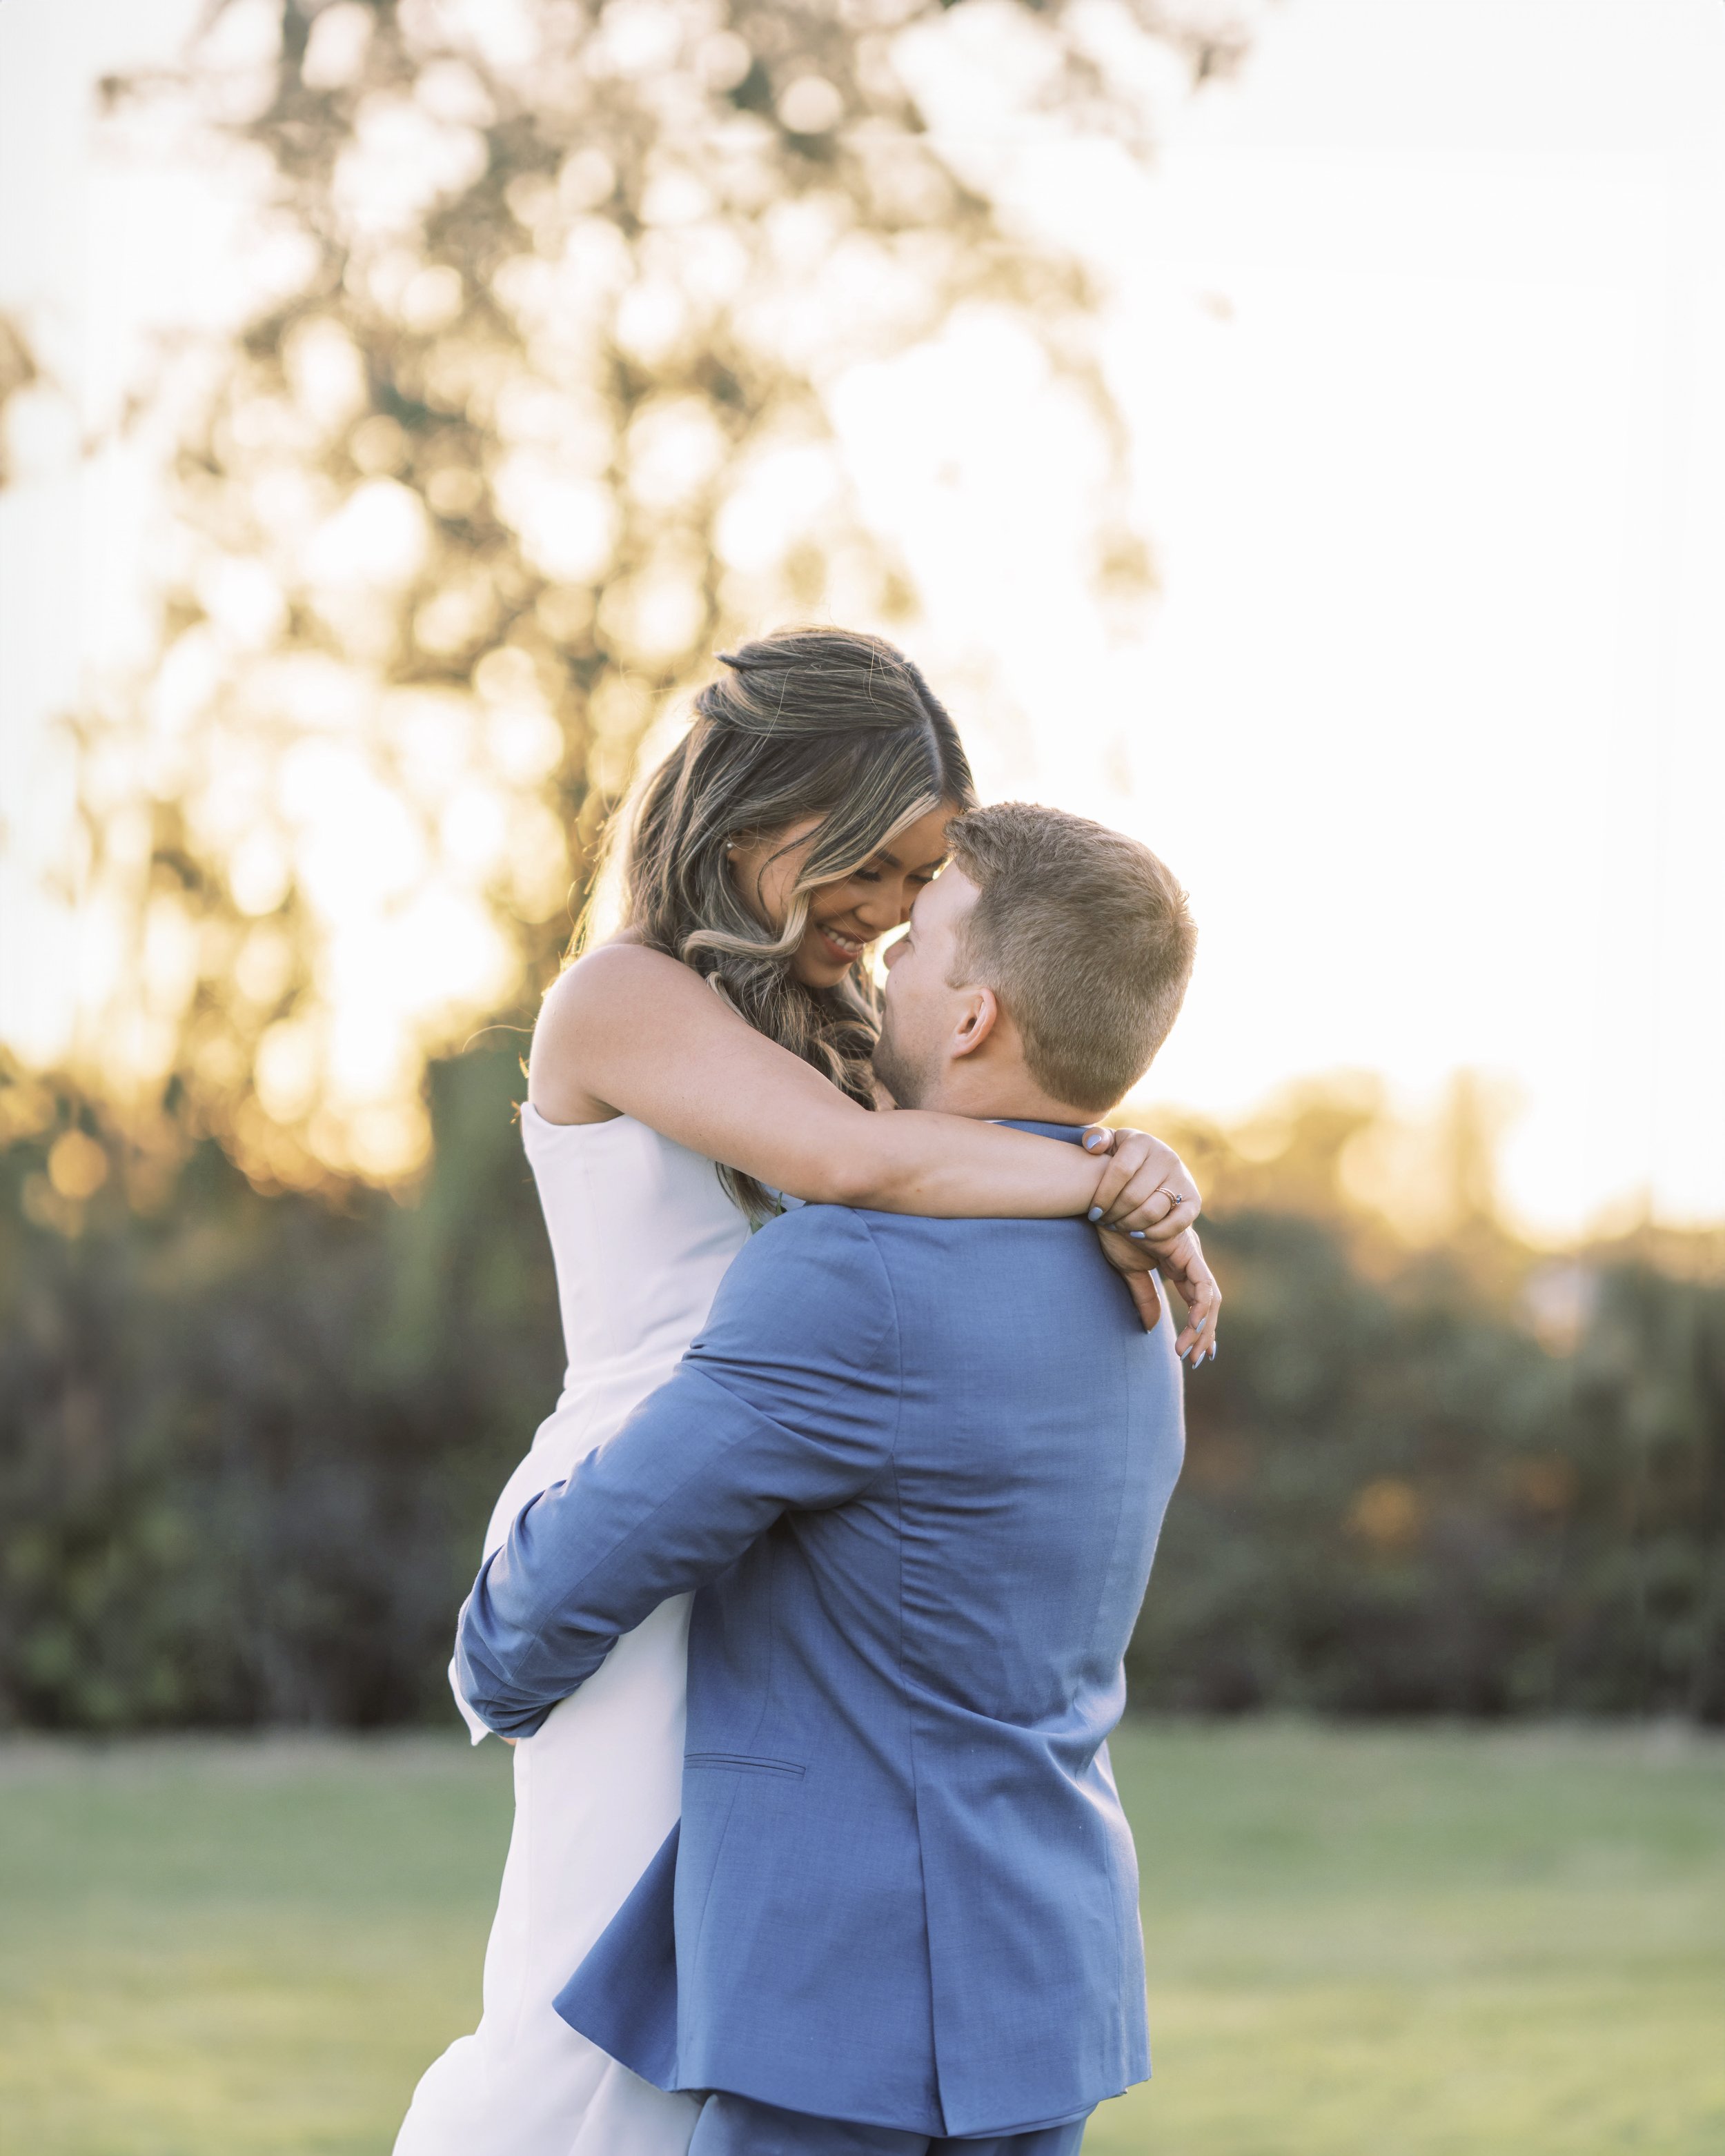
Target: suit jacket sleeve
{"points": [[788, 1401]]}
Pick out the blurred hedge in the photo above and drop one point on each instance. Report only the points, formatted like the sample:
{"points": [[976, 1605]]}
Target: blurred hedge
{"points": [[1396, 1501], [247, 1446]]}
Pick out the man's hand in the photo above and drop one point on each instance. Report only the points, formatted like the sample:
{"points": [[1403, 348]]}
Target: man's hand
{"points": [[1182, 1266], [1144, 1188]]}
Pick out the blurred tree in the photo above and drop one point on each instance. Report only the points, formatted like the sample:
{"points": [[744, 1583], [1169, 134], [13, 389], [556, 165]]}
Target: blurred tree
{"points": [[18, 372], [530, 419]]}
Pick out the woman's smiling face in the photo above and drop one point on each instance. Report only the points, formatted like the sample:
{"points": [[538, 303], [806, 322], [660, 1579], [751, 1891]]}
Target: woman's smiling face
{"points": [[845, 916]]}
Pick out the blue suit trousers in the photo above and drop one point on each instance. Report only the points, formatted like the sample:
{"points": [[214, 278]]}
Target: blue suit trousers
{"points": [[737, 2126]]}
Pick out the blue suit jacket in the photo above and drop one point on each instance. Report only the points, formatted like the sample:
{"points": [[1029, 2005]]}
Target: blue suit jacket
{"points": [[917, 1469]]}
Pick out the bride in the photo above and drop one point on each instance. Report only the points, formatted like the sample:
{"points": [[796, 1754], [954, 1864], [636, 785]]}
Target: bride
{"points": [[792, 828]]}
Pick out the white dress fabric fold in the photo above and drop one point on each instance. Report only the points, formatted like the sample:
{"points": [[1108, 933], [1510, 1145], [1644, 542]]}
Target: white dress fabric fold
{"points": [[641, 1233]]}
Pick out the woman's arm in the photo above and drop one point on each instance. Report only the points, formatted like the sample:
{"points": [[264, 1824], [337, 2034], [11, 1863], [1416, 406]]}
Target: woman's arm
{"points": [[632, 1031]]}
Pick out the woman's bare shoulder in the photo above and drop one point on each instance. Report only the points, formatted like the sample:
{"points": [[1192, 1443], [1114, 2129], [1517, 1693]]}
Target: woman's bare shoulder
{"points": [[614, 1000], [610, 977], [611, 967], [591, 1000]]}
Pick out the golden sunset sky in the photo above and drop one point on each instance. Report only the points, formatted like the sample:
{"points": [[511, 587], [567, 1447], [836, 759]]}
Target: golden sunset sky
{"points": [[1419, 326]]}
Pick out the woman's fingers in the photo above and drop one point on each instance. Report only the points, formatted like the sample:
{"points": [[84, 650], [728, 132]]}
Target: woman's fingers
{"points": [[1159, 1221], [1125, 1156], [1186, 1271], [1158, 1202], [1135, 1265], [1143, 1186], [1120, 1153], [1143, 1289], [1195, 1284], [1190, 1278], [1196, 1333]]}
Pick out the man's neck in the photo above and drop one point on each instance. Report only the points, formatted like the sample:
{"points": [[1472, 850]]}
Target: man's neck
{"points": [[1002, 1103]]}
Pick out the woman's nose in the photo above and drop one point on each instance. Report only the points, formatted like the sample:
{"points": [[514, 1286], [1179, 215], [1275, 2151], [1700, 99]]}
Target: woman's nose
{"points": [[880, 911]]}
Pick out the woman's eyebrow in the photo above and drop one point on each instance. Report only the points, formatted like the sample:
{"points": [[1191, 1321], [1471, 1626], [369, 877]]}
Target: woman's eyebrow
{"points": [[892, 861]]}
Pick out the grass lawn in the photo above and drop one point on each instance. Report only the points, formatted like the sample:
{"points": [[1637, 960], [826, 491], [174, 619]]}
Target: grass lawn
{"points": [[1406, 1943]]}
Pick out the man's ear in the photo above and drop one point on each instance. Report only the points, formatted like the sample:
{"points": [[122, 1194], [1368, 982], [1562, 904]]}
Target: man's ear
{"points": [[981, 1016]]}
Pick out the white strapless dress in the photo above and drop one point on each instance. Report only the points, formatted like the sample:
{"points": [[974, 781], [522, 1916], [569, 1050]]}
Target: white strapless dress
{"points": [[641, 1233]]}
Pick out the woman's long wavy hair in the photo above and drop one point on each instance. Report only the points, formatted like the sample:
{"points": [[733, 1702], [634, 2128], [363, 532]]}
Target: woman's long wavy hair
{"points": [[806, 723]]}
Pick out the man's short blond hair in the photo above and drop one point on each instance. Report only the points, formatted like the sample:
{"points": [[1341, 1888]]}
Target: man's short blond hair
{"points": [[1085, 938]]}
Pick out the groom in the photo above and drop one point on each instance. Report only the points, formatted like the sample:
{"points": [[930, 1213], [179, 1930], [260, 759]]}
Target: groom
{"points": [[917, 1468]]}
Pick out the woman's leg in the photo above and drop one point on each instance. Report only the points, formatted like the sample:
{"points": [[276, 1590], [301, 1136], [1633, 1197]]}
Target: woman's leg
{"points": [[597, 1791]]}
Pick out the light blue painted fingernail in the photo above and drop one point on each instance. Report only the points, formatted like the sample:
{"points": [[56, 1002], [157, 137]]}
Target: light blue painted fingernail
{"points": [[1197, 1324], [1136, 1234], [1095, 1213]]}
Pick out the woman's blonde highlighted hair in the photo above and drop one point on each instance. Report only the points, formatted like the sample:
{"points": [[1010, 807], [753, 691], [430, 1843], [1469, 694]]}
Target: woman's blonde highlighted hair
{"points": [[806, 723]]}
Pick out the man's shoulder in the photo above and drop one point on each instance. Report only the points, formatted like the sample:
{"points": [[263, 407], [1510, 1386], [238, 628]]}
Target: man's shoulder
{"points": [[905, 1260], [1061, 1238], [843, 1234], [997, 1274], [859, 1236], [814, 1274]]}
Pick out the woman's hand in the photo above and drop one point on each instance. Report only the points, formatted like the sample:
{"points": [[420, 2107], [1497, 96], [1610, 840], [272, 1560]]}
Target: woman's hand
{"points": [[1183, 1267], [1145, 1189]]}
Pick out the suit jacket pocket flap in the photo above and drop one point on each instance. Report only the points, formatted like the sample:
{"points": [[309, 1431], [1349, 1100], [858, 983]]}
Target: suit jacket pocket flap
{"points": [[746, 1762]]}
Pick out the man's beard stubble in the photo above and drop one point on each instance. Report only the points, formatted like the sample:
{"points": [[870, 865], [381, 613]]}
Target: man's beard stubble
{"points": [[905, 1077]]}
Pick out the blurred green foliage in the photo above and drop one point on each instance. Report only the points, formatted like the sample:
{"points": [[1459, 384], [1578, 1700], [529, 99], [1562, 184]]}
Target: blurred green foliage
{"points": [[1400, 1498], [248, 1443]]}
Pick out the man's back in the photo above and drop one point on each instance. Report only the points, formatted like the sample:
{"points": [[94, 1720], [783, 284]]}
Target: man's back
{"points": [[936, 1664], [919, 1467]]}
